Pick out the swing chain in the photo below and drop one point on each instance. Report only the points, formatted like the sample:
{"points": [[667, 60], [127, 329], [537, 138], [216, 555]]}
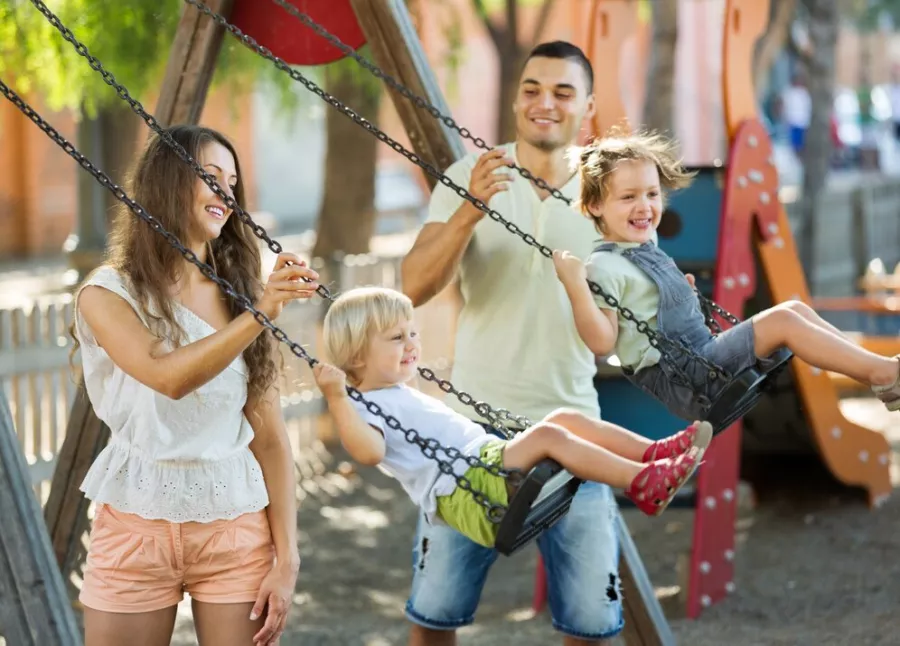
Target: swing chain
{"points": [[428, 446], [715, 307], [420, 101], [708, 317], [662, 344], [496, 417]]}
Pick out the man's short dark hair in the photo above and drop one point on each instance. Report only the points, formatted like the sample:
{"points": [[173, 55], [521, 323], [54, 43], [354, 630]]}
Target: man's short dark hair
{"points": [[567, 51]]}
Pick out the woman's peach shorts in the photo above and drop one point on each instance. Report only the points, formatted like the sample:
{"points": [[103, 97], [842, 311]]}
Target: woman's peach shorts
{"points": [[139, 565]]}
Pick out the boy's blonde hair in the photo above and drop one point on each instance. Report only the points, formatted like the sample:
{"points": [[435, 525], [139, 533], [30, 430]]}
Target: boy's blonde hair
{"points": [[354, 316], [601, 157]]}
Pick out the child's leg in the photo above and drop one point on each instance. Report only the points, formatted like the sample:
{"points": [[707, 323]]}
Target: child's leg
{"points": [[616, 439], [583, 458], [623, 442], [815, 344], [651, 486], [812, 316]]}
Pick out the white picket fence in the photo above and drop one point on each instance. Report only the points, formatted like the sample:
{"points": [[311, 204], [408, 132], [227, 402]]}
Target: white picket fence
{"points": [[37, 381]]}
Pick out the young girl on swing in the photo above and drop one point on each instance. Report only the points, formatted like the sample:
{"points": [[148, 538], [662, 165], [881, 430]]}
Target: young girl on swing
{"points": [[371, 338], [623, 179]]}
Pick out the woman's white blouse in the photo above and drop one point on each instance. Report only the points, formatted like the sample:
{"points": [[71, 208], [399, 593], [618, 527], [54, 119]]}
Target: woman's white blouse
{"points": [[177, 460]]}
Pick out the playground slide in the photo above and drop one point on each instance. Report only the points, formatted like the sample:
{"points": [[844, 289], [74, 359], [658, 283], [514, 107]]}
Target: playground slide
{"points": [[855, 455]]}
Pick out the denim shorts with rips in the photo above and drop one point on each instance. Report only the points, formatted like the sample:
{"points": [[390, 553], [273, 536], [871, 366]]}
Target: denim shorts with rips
{"points": [[581, 556]]}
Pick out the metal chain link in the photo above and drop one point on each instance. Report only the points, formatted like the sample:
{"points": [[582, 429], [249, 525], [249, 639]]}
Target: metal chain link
{"points": [[428, 446], [662, 344], [715, 307], [498, 418], [424, 104], [708, 317], [420, 101]]}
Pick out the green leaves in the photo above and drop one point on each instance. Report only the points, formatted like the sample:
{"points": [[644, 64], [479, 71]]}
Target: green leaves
{"points": [[868, 13], [130, 37]]}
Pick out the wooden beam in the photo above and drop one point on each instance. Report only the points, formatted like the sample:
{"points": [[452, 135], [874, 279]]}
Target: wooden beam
{"points": [[66, 510], [192, 62], [645, 622], [34, 605], [388, 21]]}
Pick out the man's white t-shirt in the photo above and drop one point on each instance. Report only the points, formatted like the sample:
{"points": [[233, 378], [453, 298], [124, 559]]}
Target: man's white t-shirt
{"points": [[420, 476], [516, 343]]}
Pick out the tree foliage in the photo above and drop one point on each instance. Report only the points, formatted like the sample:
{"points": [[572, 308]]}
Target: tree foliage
{"points": [[131, 38], [867, 14]]}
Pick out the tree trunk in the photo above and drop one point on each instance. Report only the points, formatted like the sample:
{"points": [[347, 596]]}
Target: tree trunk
{"points": [[109, 141], [658, 107], [772, 42], [347, 215], [509, 86], [509, 53], [823, 27]]}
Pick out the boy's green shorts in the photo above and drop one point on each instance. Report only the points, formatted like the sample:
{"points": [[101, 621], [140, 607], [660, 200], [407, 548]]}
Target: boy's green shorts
{"points": [[459, 509]]}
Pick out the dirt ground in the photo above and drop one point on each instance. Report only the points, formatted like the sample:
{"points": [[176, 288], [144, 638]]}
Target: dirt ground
{"points": [[815, 565]]}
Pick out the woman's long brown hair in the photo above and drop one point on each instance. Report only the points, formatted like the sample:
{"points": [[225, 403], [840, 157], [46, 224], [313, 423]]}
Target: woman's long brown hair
{"points": [[165, 186]]}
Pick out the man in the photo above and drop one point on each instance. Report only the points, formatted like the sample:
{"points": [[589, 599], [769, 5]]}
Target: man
{"points": [[517, 348]]}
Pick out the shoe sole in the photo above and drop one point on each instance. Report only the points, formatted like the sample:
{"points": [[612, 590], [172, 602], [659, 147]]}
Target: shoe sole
{"points": [[704, 435]]}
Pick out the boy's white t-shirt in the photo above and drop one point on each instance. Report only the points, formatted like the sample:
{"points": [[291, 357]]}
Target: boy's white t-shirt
{"points": [[430, 418]]}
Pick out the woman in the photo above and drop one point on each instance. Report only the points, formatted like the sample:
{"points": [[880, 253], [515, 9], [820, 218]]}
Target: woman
{"points": [[195, 491]]}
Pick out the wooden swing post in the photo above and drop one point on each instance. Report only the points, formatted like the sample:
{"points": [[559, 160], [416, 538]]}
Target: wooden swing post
{"points": [[192, 62], [385, 24], [34, 604]]}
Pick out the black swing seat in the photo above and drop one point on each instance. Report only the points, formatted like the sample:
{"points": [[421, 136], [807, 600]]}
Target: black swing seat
{"points": [[745, 390], [543, 497]]}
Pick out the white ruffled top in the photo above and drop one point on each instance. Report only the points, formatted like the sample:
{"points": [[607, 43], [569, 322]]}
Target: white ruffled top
{"points": [[177, 460]]}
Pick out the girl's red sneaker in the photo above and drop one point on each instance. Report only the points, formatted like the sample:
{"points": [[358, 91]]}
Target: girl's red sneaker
{"points": [[654, 487]]}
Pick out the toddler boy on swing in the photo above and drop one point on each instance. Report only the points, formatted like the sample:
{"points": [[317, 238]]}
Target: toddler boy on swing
{"points": [[371, 338]]}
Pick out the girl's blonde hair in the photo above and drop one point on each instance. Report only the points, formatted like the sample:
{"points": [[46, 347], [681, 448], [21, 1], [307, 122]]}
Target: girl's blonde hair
{"points": [[599, 159], [357, 314]]}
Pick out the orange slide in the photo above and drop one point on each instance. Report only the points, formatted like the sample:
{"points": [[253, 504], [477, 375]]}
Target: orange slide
{"points": [[854, 454]]}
